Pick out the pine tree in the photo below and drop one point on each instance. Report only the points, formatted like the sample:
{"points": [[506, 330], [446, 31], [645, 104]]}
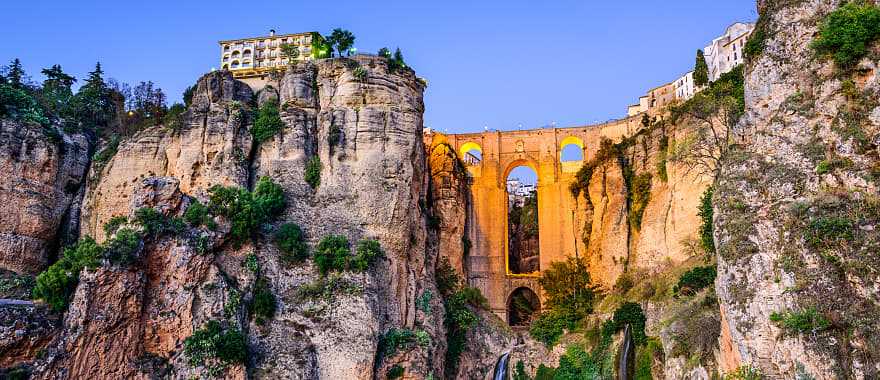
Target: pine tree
{"points": [[15, 75], [701, 70], [56, 90]]}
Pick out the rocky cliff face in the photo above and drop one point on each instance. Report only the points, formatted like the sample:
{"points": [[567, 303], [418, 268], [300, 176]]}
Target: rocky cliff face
{"points": [[44, 169], [796, 207], [366, 131]]}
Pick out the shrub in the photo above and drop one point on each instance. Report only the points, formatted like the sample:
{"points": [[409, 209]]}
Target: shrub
{"points": [[213, 345], [519, 372], [367, 253], [267, 123], [290, 240], [423, 303], [825, 231], [313, 172], [545, 373], [122, 249], [551, 324], [446, 277], [332, 253], [848, 32], [397, 339], [360, 73], [803, 321], [694, 280], [113, 224], [327, 288], [198, 214], [58, 282], [156, 223], [645, 359], [245, 210], [756, 42], [706, 214], [395, 372], [263, 305], [745, 372], [631, 313]]}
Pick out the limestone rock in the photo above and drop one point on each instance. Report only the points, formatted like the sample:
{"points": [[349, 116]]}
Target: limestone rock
{"points": [[42, 178]]}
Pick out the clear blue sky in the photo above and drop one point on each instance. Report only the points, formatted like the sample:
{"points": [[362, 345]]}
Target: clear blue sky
{"points": [[501, 64]]}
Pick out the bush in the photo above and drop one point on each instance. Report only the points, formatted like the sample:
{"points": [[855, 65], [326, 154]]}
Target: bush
{"points": [[446, 277], [825, 231], [519, 372], [58, 282], [423, 303], [313, 172], [245, 210], [198, 215], [290, 240], [551, 324], [123, 248], [332, 253], [645, 359], [395, 372], [848, 32], [214, 346], [631, 313], [545, 373], [398, 339], [156, 223], [694, 280], [803, 321], [113, 224], [367, 253], [267, 123], [744, 373], [263, 305], [640, 195], [756, 42], [706, 214]]}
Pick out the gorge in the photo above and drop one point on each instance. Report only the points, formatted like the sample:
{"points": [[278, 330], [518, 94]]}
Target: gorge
{"points": [[733, 235]]}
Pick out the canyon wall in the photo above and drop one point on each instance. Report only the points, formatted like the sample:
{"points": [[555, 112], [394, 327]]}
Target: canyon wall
{"points": [[796, 207]]}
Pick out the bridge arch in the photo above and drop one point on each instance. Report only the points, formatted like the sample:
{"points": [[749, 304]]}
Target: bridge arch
{"points": [[522, 253], [523, 305], [466, 154]]}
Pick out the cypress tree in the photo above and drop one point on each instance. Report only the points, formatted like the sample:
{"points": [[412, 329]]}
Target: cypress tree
{"points": [[701, 70]]}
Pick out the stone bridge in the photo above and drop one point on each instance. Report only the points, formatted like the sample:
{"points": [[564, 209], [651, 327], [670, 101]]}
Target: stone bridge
{"points": [[559, 222]]}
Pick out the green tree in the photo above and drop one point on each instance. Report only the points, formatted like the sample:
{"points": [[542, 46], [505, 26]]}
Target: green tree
{"points": [[343, 40], [15, 75], [188, 95], [93, 104], [56, 90], [290, 52], [321, 47], [701, 70]]}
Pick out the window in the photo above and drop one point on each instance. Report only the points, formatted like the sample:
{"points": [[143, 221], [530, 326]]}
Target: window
{"points": [[734, 56], [225, 47], [225, 58]]}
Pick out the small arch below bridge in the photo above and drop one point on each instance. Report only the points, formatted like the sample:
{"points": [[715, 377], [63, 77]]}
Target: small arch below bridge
{"points": [[523, 306]]}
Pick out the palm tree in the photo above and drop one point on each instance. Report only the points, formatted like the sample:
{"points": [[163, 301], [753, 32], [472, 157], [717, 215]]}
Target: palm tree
{"points": [[342, 39]]}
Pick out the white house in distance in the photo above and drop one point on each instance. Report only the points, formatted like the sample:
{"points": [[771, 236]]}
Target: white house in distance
{"points": [[684, 86], [722, 55], [725, 52]]}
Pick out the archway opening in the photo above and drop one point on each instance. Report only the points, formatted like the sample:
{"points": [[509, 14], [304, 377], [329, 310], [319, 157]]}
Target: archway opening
{"points": [[572, 153], [523, 306], [471, 154], [522, 221]]}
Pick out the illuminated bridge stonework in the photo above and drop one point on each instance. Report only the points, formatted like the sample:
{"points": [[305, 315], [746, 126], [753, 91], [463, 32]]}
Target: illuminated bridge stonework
{"points": [[560, 218]]}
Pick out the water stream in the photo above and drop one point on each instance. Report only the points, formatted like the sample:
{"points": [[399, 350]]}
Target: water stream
{"points": [[627, 352], [501, 372]]}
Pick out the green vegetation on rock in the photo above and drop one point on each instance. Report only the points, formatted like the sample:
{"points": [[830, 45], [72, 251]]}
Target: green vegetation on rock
{"points": [[216, 347], [56, 284], [332, 254], [695, 280], [268, 122], [247, 211], [290, 240], [848, 33], [368, 251], [801, 321], [313, 172]]}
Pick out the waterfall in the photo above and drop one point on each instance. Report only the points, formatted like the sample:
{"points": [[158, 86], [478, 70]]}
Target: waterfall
{"points": [[627, 352], [501, 372]]}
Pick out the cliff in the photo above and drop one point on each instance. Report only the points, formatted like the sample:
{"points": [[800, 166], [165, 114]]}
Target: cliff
{"points": [[796, 206]]}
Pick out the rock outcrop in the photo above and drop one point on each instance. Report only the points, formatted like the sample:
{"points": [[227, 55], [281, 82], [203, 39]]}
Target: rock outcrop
{"points": [[796, 207], [43, 170]]}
